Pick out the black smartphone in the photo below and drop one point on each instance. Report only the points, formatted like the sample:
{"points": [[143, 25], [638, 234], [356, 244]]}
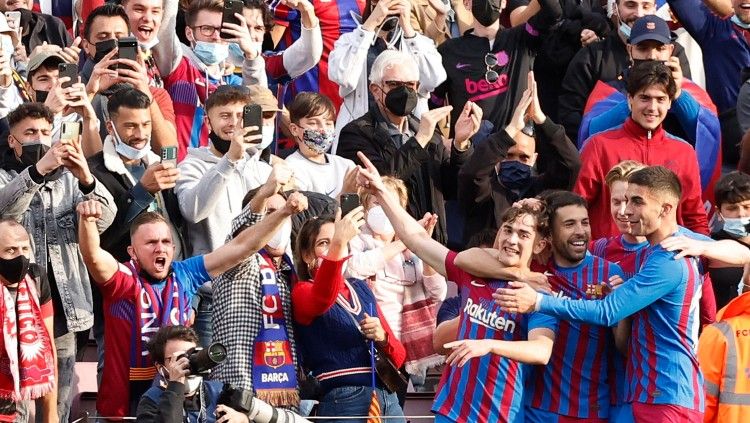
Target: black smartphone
{"points": [[230, 8], [348, 203], [103, 48], [70, 70], [252, 115], [127, 48], [169, 154]]}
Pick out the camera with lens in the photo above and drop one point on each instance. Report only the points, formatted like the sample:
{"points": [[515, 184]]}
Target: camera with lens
{"points": [[204, 359], [237, 399]]}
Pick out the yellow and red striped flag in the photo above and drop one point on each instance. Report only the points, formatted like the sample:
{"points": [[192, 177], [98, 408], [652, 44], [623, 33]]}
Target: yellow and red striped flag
{"points": [[373, 414]]}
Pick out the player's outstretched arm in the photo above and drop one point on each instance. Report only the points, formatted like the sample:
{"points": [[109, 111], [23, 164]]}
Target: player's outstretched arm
{"points": [[537, 350], [724, 253]]}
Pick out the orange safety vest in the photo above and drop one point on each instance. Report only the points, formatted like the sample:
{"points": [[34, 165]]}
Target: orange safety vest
{"points": [[724, 357]]}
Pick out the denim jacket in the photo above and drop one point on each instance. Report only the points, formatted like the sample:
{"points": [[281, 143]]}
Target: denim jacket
{"points": [[48, 211]]}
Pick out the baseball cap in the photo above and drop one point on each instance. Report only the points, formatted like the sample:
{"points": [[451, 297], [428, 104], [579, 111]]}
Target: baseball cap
{"points": [[40, 56], [263, 97], [650, 27]]}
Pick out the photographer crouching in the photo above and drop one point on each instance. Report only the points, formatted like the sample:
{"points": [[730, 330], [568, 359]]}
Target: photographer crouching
{"points": [[181, 394]]}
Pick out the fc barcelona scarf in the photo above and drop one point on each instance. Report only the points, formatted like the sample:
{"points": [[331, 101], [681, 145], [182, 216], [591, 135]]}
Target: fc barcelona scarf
{"points": [[274, 377], [153, 312]]}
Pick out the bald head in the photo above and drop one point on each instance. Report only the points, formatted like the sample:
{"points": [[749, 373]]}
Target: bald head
{"points": [[14, 240]]}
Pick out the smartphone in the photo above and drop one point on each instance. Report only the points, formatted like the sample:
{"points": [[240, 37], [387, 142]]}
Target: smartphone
{"points": [[230, 8], [103, 48], [169, 154], [70, 130], [127, 48], [348, 203], [252, 115], [15, 17], [70, 70]]}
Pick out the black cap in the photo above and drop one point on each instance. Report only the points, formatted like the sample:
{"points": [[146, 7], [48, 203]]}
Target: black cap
{"points": [[650, 27]]}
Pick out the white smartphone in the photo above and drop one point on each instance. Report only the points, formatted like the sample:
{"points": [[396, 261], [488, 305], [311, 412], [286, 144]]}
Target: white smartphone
{"points": [[14, 20]]}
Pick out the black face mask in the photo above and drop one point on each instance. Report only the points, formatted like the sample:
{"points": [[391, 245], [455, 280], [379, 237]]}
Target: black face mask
{"points": [[638, 62], [222, 146], [41, 96], [401, 101], [30, 154], [103, 48], [390, 23], [15, 269], [485, 11]]}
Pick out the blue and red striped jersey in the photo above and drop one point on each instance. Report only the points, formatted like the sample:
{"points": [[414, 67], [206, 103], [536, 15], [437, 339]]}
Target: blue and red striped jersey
{"points": [[575, 381], [335, 19], [663, 299], [615, 249], [487, 388]]}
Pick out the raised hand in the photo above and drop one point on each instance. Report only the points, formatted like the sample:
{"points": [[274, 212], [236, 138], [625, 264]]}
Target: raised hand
{"points": [[372, 328], [159, 177], [242, 139], [467, 125], [296, 203], [368, 177], [427, 123], [89, 210], [348, 226]]}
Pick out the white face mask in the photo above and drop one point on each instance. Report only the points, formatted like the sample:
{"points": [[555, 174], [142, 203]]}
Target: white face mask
{"points": [[148, 45], [128, 151], [378, 221], [282, 237], [193, 383], [268, 132]]}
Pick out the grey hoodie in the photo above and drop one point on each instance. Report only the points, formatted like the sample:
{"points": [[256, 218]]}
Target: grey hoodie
{"points": [[210, 191]]}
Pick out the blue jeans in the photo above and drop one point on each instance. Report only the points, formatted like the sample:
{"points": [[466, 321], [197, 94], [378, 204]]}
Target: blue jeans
{"points": [[355, 401]]}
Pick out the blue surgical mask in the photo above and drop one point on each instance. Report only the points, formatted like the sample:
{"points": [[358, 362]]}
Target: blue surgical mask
{"points": [[625, 29], [737, 227], [739, 23], [236, 55], [128, 151], [514, 174], [211, 53], [268, 133]]}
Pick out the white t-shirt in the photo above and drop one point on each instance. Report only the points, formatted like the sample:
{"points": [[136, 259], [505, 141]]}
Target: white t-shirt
{"points": [[326, 178]]}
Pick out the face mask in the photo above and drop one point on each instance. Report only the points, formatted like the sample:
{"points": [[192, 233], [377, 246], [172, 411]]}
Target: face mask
{"points": [[148, 45], [128, 151], [401, 101], [282, 237], [514, 174], [485, 12], [624, 30], [268, 132], [737, 227], [15, 269], [222, 146], [41, 96], [378, 221], [103, 48], [236, 55], [32, 152], [739, 23], [389, 24], [211, 53], [193, 385], [317, 140], [7, 43]]}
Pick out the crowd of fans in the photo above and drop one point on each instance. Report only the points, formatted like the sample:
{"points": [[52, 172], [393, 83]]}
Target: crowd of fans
{"points": [[268, 210]]}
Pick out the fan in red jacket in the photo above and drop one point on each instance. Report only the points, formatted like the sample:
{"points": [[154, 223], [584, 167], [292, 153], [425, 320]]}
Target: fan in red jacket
{"points": [[651, 89]]}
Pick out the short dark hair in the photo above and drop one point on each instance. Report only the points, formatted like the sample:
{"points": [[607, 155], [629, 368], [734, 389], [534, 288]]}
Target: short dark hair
{"points": [[305, 244], [129, 98], [168, 333], [646, 74], [308, 104], [558, 199], [145, 219], [658, 179], [105, 10], [228, 94], [734, 187], [265, 12], [482, 239], [538, 213], [193, 7], [30, 110]]}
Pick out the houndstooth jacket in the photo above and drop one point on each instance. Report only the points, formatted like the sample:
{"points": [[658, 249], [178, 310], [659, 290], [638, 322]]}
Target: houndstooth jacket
{"points": [[237, 315]]}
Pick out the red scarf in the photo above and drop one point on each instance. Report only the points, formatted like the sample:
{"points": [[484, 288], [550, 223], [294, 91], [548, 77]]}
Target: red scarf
{"points": [[24, 331]]}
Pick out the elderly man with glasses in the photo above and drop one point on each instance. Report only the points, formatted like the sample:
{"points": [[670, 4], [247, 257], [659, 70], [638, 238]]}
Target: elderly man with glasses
{"points": [[401, 145]]}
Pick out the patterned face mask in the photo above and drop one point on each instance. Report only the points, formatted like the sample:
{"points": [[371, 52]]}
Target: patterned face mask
{"points": [[317, 140]]}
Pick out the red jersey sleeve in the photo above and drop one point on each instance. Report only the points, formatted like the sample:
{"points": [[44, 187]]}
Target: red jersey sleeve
{"points": [[454, 273], [120, 285], [313, 299], [162, 98]]}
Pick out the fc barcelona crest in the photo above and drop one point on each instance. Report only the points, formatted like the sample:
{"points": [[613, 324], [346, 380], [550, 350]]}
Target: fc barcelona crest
{"points": [[273, 354]]}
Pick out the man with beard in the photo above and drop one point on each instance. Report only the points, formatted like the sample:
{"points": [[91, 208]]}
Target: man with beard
{"points": [[664, 381], [40, 185], [151, 291], [574, 384]]}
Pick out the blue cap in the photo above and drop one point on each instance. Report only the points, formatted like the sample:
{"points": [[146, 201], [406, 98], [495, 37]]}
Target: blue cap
{"points": [[650, 27]]}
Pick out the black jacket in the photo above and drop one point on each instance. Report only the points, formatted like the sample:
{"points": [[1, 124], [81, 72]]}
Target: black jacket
{"points": [[116, 238], [429, 173], [482, 196], [43, 27], [601, 61]]}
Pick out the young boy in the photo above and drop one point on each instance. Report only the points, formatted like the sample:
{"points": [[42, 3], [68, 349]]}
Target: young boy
{"points": [[312, 125]]}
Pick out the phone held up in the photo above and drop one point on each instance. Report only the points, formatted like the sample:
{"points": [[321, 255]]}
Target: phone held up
{"points": [[348, 202], [169, 155]]}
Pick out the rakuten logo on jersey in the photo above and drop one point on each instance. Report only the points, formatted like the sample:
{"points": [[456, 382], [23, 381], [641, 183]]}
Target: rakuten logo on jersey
{"points": [[480, 315], [482, 89]]}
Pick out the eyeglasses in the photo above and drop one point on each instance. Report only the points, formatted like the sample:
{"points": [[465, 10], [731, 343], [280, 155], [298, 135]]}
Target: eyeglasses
{"points": [[395, 84], [490, 60], [207, 30]]}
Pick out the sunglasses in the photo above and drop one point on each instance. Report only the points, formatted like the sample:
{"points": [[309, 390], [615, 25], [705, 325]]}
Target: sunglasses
{"points": [[491, 76]]}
